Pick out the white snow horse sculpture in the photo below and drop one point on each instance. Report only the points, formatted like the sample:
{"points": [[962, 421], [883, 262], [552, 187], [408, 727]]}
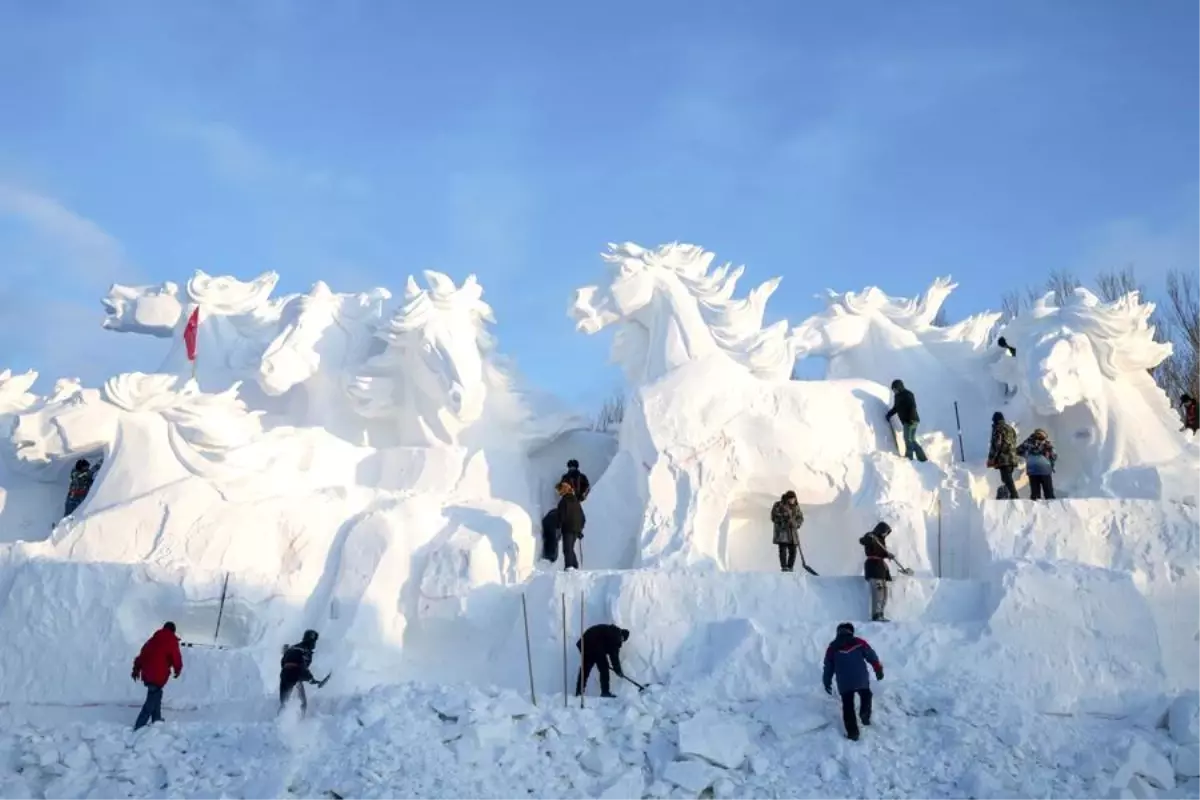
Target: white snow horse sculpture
{"points": [[1082, 373], [716, 430], [150, 432], [872, 336]]}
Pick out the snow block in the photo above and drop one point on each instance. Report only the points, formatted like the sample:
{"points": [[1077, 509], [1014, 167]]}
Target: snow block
{"points": [[1183, 718], [1186, 760], [600, 760], [714, 739], [630, 784], [1064, 636], [694, 776]]}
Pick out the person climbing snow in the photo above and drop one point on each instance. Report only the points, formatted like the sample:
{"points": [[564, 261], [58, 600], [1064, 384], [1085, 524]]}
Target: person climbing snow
{"points": [[82, 477], [786, 517], [847, 658], [1191, 412], [904, 406], [600, 645], [295, 670], [875, 569], [1002, 342], [1002, 454], [153, 666], [1039, 464], [579, 481], [571, 520], [550, 536]]}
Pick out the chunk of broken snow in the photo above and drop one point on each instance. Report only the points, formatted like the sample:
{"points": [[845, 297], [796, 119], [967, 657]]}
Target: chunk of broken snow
{"points": [[1142, 759], [1183, 718], [1140, 788], [600, 760], [721, 741], [629, 784], [694, 776], [1187, 760]]}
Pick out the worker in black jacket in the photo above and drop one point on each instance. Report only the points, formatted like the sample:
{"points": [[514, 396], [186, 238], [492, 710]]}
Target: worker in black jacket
{"points": [[600, 645], [570, 522], [294, 670], [904, 406], [579, 481]]}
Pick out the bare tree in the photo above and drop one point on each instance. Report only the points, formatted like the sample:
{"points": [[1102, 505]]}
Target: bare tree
{"points": [[1113, 285], [1063, 284], [609, 417], [1181, 319]]}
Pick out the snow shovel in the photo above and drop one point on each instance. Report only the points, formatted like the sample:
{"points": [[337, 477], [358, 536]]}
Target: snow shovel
{"points": [[640, 687], [804, 564], [903, 569], [321, 683]]}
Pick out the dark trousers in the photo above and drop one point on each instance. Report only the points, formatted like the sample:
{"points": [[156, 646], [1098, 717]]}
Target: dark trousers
{"points": [[848, 715], [1041, 485], [72, 503], [589, 661], [289, 681], [569, 558], [787, 556], [1006, 478], [911, 448], [550, 546], [152, 708]]}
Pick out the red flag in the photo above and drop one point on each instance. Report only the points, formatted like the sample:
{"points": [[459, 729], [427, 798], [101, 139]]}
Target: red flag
{"points": [[189, 334]]}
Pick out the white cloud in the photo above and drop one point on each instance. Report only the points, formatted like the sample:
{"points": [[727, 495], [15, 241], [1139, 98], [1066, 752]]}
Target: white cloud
{"points": [[237, 158], [79, 243]]}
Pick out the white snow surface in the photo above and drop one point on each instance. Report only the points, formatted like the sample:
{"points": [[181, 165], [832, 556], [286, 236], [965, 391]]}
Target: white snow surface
{"points": [[368, 465]]}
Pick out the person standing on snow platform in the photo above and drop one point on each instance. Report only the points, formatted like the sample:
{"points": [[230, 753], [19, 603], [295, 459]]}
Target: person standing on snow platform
{"points": [[1039, 464], [876, 570], [579, 481], [571, 520], [153, 666], [600, 645], [847, 657], [1191, 412], [82, 478], [904, 406], [1002, 453], [786, 517], [295, 670]]}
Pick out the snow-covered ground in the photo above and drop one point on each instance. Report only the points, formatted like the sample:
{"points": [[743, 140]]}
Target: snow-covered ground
{"points": [[374, 469]]}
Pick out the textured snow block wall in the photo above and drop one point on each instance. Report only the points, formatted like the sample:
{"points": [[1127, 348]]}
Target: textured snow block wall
{"points": [[740, 635], [1068, 637], [72, 631], [1156, 542]]}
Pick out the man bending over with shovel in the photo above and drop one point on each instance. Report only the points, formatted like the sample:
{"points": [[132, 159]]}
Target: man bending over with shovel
{"points": [[600, 645], [875, 569]]}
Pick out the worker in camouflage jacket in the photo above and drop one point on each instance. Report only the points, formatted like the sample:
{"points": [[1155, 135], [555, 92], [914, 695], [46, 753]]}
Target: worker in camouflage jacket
{"points": [[1002, 454], [786, 518]]}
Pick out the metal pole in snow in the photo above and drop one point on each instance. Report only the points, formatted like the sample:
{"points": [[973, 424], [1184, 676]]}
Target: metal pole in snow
{"points": [[566, 702], [221, 609], [962, 453], [528, 651]]}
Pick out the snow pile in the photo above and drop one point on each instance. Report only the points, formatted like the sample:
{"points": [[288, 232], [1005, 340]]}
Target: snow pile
{"points": [[371, 467]]}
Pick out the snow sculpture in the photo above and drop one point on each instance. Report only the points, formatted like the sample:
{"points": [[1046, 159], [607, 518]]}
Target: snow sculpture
{"points": [[871, 336], [152, 310], [715, 432], [676, 310], [431, 379], [149, 432], [28, 504], [322, 337], [1082, 372]]}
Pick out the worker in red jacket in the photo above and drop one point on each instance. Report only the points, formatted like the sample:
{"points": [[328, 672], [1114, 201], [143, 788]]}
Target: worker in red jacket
{"points": [[160, 655]]}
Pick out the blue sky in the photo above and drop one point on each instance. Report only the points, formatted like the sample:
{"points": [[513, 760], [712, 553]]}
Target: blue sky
{"points": [[838, 145]]}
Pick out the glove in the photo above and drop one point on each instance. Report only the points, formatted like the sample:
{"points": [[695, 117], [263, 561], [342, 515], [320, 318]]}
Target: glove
{"points": [[829, 690], [176, 674], [137, 673], [878, 674], [991, 464]]}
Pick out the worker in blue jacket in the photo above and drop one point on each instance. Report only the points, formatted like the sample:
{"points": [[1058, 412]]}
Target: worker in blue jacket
{"points": [[847, 657]]}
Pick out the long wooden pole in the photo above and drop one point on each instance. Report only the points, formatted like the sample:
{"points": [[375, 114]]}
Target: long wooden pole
{"points": [[528, 649], [566, 694], [582, 644], [221, 608]]}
